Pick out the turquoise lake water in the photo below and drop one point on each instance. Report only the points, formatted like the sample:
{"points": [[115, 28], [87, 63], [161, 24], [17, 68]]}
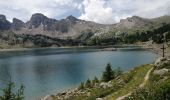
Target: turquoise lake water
{"points": [[49, 71]]}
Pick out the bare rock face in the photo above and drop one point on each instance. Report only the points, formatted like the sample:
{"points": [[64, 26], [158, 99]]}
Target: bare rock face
{"points": [[4, 24], [36, 20], [72, 19], [132, 22], [48, 24], [17, 24], [39, 19]]}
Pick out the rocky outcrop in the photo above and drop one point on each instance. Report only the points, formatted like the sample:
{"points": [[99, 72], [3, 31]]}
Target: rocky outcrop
{"points": [[72, 19], [39, 19], [67, 94], [162, 62], [17, 24], [161, 71], [162, 66], [4, 24], [134, 21], [106, 85]]}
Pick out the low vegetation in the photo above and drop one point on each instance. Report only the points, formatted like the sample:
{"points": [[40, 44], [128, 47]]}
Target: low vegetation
{"points": [[158, 86], [116, 84], [10, 93], [129, 37], [132, 81], [112, 81]]}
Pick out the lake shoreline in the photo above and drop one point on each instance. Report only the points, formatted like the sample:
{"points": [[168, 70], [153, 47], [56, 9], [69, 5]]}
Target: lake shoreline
{"points": [[75, 90], [111, 47], [41, 51]]}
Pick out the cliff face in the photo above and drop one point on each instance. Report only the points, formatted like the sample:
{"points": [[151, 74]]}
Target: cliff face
{"points": [[4, 24], [17, 24], [41, 24]]}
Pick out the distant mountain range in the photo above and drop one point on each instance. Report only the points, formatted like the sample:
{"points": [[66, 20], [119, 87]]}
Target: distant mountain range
{"points": [[73, 28], [41, 24]]}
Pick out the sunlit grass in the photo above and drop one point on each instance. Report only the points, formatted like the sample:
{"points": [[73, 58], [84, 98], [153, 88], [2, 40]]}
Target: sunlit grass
{"points": [[137, 79]]}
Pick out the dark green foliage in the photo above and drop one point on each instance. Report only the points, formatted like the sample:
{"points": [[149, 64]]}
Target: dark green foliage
{"points": [[81, 86], [131, 38], [144, 37], [167, 36], [88, 84], [36, 40], [158, 38], [9, 94], [95, 80], [108, 74]]}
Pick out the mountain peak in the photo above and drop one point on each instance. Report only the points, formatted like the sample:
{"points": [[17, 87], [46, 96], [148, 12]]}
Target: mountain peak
{"points": [[37, 19], [4, 24], [2, 17], [37, 16], [72, 18], [17, 24], [135, 17]]}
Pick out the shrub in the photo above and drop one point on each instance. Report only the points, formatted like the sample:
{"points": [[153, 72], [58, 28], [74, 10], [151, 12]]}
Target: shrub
{"points": [[9, 94]]}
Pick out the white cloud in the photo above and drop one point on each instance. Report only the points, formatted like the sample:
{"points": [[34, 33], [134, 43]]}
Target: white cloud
{"points": [[95, 10], [110, 11], [100, 11]]}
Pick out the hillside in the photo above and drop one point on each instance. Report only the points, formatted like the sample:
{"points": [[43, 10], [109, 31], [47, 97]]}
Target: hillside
{"points": [[145, 82], [80, 32]]}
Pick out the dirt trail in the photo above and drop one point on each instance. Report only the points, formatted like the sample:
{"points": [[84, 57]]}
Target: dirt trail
{"points": [[140, 86]]}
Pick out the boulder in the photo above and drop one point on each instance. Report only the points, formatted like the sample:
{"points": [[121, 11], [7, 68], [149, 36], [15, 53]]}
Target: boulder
{"points": [[161, 63], [161, 71], [105, 85], [99, 99], [48, 97]]}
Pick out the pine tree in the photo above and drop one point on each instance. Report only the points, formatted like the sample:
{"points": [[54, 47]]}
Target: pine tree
{"points": [[9, 94], [108, 74]]}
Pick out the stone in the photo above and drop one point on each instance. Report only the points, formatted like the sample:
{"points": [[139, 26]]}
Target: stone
{"points": [[48, 97], [161, 61], [161, 71], [99, 99], [105, 85]]}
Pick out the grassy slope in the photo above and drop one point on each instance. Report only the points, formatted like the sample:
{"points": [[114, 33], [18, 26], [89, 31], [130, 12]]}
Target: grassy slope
{"points": [[157, 87], [131, 81], [138, 78]]}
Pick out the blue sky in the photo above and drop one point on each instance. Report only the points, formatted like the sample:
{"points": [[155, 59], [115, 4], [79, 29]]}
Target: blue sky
{"points": [[100, 11]]}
